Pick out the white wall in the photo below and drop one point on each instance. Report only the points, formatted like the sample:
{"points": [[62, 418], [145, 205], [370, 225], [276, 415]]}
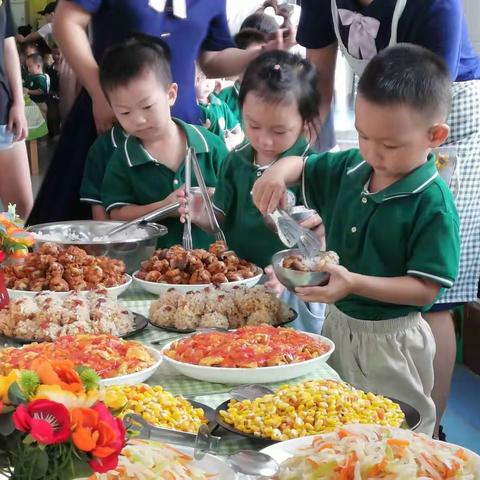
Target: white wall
{"points": [[472, 12], [19, 12]]}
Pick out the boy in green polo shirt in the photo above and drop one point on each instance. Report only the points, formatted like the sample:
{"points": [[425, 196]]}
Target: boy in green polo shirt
{"points": [[216, 115], [393, 222], [145, 172], [37, 83], [98, 157]]}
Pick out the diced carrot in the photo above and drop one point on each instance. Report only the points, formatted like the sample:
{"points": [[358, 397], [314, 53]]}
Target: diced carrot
{"points": [[378, 468], [312, 463], [397, 442]]}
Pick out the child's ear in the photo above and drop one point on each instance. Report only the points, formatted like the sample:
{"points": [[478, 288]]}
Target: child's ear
{"points": [[172, 94], [438, 134]]}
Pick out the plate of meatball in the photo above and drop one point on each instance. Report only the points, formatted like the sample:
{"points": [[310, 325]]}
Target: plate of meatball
{"points": [[61, 270], [193, 270]]}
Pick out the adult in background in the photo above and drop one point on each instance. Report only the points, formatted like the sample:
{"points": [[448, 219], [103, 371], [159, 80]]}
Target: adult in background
{"points": [[193, 29], [361, 28], [15, 184]]}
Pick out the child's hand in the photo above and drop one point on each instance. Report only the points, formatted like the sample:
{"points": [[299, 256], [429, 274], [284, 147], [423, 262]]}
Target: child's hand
{"points": [[272, 283], [339, 286], [196, 203], [315, 223], [268, 193], [207, 123]]}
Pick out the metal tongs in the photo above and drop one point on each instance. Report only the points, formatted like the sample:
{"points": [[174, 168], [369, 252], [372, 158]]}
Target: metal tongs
{"points": [[155, 215], [187, 241], [203, 442], [212, 219], [291, 234]]}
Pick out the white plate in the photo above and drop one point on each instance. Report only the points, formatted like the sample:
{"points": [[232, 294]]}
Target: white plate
{"points": [[250, 375], [113, 291], [160, 288], [210, 464], [284, 450], [137, 377]]}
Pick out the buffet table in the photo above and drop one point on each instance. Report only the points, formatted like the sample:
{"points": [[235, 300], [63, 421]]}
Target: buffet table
{"points": [[211, 394]]}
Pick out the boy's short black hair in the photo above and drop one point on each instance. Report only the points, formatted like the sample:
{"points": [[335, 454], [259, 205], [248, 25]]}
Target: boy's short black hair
{"points": [[36, 58], [130, 58], [248, 36], [408, 75]]}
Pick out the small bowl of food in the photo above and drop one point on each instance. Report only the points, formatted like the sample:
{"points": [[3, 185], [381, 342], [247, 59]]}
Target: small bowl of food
{"points": [[294, 270]]}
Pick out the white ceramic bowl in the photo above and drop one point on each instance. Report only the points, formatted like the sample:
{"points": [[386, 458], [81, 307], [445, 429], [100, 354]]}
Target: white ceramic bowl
{"points": [[250, 375], [113, 291], [160, 288], [282, 451], [137, 377]]}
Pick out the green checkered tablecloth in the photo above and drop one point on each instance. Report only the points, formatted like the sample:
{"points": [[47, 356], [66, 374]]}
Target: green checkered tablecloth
{"points": [[211, 394]]}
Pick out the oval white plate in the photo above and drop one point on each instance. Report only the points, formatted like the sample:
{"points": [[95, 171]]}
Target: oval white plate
{"points": [[160, 288], [284, 450], [113, 291], [137, 377], [250, 375]]}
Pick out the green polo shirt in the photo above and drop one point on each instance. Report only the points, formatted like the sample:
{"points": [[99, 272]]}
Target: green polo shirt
{"points": [[98, 157], [40, 81], [220, 116], [134, 177], [409, 228], [244, 226], [230, 96]]}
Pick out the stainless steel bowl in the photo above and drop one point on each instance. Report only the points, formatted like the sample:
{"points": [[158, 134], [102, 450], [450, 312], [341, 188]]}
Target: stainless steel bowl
{"points": [[132, 246], [292, 278]]}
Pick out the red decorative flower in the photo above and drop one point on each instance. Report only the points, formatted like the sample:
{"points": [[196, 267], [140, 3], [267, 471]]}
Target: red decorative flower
{"points": [[96, 431], [47, 422], [2, 256]]}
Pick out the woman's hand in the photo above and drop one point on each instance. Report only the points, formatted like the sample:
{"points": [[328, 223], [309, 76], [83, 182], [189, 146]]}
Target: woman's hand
{"points": [[102, 113], [282, 39], [17, 122]]}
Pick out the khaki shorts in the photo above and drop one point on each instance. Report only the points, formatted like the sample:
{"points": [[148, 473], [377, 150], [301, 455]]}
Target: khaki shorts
{"points": [[389, 357]]}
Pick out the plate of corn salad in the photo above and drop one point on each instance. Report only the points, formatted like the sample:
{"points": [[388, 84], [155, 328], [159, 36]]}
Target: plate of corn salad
{"points": [[311, 408], [357, 452], [145, 460], [158, 407]]}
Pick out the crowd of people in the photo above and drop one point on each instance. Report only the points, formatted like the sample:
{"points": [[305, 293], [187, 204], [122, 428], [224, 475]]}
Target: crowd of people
{"points": [[256, 108]]}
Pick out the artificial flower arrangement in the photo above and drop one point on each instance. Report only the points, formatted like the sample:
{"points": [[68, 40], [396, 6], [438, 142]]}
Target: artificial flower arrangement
{"points": [[14, 240], [53, 426]]}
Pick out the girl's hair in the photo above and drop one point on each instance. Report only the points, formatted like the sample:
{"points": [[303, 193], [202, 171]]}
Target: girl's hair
{"points": [[261, 23], [277, 76]]}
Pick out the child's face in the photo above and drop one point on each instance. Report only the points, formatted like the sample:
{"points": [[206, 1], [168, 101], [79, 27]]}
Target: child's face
{"points": [[48, 59], [34, 68], [395, 139], [203, 86], [143, 106], [56, 55], [271, 128]]}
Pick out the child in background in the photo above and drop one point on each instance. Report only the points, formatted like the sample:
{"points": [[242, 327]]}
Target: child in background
{"points": [[96, 163], [48, 60], [145, 173], [216, 115], [26, 50], [37, 83], [53, 101], [392, 221]]}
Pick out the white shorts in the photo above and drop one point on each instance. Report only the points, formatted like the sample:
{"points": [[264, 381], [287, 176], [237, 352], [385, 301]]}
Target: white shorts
{"points": [[389, 357]]}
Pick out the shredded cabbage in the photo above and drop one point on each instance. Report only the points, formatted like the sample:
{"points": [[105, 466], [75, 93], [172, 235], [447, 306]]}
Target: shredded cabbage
{"points": [[144, 460], [359, 452]]}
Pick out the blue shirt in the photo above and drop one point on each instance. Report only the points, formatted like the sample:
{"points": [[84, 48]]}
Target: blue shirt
{"points": [[438, 25], [205, 28]]}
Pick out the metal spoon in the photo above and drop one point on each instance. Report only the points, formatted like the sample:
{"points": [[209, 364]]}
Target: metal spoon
{"points": [[250, 462], [241, 392]]}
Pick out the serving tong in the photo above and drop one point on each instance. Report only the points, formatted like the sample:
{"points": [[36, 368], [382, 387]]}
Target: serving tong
{"points": [[248, 462], [291, 234]]}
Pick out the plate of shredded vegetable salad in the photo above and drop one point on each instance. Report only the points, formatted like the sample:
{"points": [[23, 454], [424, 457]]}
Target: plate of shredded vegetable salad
{"points": [[146, 460], [358, 452]]}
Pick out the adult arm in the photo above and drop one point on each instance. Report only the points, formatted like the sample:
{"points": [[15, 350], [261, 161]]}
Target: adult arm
{"points": [[70, 30], [17, 122], [324, 60], [31, 37]]}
